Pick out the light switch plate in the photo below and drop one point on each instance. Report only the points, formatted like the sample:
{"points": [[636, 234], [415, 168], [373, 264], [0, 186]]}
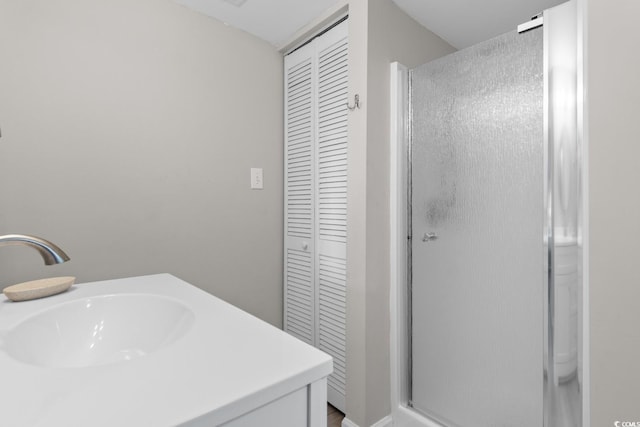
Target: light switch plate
{"points": [[256, 179]]}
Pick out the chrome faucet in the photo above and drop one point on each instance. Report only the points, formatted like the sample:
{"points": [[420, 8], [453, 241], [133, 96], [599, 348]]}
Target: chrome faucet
{"points": [[51, 254]]}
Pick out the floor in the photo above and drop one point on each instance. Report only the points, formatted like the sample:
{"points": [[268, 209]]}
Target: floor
{"points": [[334, 417]]}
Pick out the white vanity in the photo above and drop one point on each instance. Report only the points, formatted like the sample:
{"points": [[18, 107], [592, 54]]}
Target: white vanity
{"points": [[152, 351]]}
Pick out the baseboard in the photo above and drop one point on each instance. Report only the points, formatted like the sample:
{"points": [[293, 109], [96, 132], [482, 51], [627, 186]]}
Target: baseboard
{"points": [[384, 422], [346, 422]]}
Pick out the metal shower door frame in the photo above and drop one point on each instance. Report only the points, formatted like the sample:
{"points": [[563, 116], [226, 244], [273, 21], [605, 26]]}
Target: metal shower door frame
{"points": [[400, 165]]}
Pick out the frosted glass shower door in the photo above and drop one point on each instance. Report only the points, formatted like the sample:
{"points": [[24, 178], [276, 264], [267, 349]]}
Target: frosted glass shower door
{"points": [[478, 271]]}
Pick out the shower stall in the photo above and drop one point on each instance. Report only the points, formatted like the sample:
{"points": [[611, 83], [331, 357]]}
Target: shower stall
{"points": [[487, 232]]}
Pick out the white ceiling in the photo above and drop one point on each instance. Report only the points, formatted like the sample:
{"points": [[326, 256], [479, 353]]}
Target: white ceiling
{"points": [[275, 21], [462, 23]]}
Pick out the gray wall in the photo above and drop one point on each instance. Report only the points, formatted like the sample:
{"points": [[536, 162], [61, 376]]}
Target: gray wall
{"points": [[380, 33], [614, 209], [129, 128]]}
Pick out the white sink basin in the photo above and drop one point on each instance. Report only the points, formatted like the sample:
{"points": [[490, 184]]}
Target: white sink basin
{"points": [[99, 330], [207, 362]]}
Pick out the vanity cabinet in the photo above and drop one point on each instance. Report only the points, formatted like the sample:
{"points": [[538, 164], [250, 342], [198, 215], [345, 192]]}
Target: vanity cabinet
{"points": [[221, 367], [303, 407]]}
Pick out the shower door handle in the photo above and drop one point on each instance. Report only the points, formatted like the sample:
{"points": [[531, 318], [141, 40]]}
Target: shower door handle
{"points": [[429, 237]]}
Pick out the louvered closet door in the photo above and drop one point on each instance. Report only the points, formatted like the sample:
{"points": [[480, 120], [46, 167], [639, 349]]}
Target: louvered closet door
{"points": [[316, 199], [299, 289], [331, 204]]}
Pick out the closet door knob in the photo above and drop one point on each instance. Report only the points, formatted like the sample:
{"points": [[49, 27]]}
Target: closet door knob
{"points": [[305, 246]]}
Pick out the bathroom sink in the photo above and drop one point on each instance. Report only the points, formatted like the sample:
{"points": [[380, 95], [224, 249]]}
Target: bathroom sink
{"points": [[151, 351], [99, 330]]}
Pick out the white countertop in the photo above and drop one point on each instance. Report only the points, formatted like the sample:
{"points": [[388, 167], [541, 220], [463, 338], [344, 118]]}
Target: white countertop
{"points": [[228, 363]]}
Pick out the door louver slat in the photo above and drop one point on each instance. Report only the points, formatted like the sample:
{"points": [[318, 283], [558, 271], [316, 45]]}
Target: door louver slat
{"points": [[332, 141], [299, 295], [299, 151], [332, 314]]}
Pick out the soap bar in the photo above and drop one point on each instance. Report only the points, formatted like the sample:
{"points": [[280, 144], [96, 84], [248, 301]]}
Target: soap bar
{"points": [[38, 288]]}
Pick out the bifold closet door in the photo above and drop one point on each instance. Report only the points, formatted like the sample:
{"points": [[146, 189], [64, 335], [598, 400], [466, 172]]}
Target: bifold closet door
{"points": [[331, 204], [316, 89], [299, 242]]}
